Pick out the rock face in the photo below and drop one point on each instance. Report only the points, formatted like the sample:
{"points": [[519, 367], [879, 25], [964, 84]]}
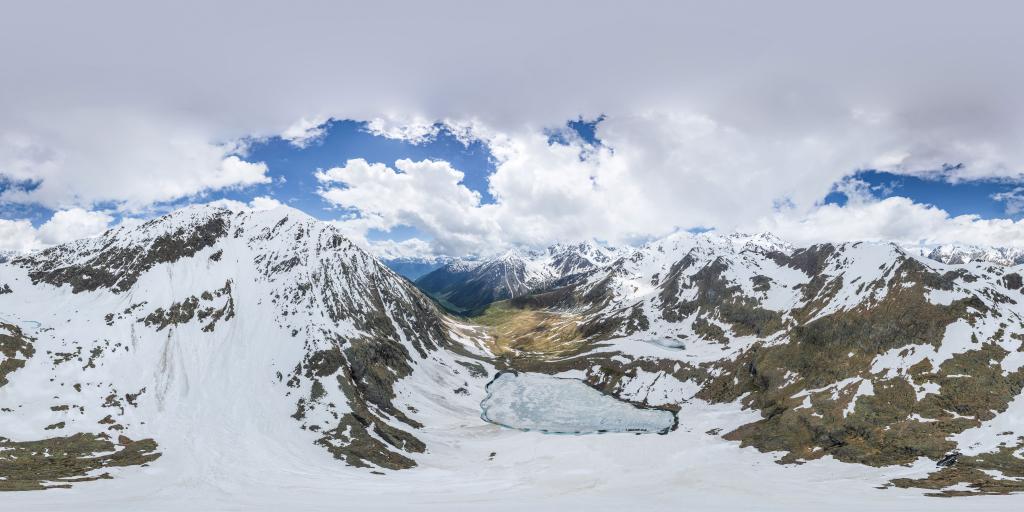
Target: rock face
{"points": [[466, 286], [218, 322]]}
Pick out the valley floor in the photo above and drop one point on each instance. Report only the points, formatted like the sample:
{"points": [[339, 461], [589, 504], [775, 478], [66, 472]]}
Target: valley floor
{"points": [[686, 469]]}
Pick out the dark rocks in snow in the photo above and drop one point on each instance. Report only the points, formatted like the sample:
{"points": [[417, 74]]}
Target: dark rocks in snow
{"points": [[948, 460], [1013, 281]]}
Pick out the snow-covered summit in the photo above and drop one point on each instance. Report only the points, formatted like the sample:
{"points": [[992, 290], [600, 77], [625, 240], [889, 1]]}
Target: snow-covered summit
{"points": [[233, 318], [961, 254]]}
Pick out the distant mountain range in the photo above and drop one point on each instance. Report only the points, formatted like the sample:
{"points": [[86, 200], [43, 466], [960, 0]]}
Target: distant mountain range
{"points": [[960, 254], [465, 286], [415, 268]]}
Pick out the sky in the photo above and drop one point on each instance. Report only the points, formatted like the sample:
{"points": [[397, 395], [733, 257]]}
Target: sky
{"points": [[458, 128]]}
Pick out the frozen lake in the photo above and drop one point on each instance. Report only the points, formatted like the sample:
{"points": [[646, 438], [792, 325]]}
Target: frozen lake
{"points": [[553, 405]]}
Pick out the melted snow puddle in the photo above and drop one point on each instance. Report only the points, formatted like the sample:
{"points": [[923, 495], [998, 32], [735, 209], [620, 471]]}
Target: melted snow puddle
{"points": [[553, 405]]}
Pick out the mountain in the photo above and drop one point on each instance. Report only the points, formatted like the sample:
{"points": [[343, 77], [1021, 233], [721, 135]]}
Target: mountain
{"points": [[242, 334], [226, 359], [468, 285], [960, 254], [862, 352], [414, 268]]}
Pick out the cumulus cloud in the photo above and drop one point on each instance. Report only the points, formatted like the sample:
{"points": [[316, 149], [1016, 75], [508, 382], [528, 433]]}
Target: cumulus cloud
{"points": [[414, 131], [63, 226], [18, 236], [896, 219], [1014, 200], [257, 203], [654, 174], [305, 131], [264, 203], [68, 225], [427, 195], [413, 248], [80, 159]]}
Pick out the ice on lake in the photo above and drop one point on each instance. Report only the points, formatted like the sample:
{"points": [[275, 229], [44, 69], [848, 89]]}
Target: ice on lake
{"points": [[533, 401]]}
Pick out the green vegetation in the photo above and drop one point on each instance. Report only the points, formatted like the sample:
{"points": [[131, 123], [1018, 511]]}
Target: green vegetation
{"points": [[13, 344], [530, 334]]}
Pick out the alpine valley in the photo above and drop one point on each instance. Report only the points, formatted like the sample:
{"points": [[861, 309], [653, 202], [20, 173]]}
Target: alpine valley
{"points": [[218, 358]]}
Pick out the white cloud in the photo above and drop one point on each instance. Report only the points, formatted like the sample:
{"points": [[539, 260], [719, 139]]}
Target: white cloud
{"points": [[896, 219], [68, 225], [659, 173], [63, 226], [754, 76], [235, 172], [264, 203], [1014, 200], [257, 203], [305, 131], [18, 236], [93, 157], [230, 204], [414, 131], [427, 195], [413, 248], [416, 248], [709, 126]]}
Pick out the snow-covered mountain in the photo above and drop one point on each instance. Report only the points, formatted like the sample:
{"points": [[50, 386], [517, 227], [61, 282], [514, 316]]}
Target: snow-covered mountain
{"points": [[960, 254], [859, 351], [466, 285], [208, 331], [221, 355]]}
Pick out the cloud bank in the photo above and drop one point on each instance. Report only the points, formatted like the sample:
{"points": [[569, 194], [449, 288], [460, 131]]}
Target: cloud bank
{"points": [[722, 116]]}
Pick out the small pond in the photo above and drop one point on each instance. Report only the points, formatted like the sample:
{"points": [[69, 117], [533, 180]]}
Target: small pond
{"points": [[553, 405]]}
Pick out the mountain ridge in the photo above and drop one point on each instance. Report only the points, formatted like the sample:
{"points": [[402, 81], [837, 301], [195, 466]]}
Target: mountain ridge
{"points": [[467, 285], [327, 328], [213, 340]]}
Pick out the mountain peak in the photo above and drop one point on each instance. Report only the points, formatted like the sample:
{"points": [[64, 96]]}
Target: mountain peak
{"points": [[961, 254]]}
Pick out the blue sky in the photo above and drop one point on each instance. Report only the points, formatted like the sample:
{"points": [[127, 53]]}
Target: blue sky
{"points": [[976, 197], [292, 168], [345, 140]]}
